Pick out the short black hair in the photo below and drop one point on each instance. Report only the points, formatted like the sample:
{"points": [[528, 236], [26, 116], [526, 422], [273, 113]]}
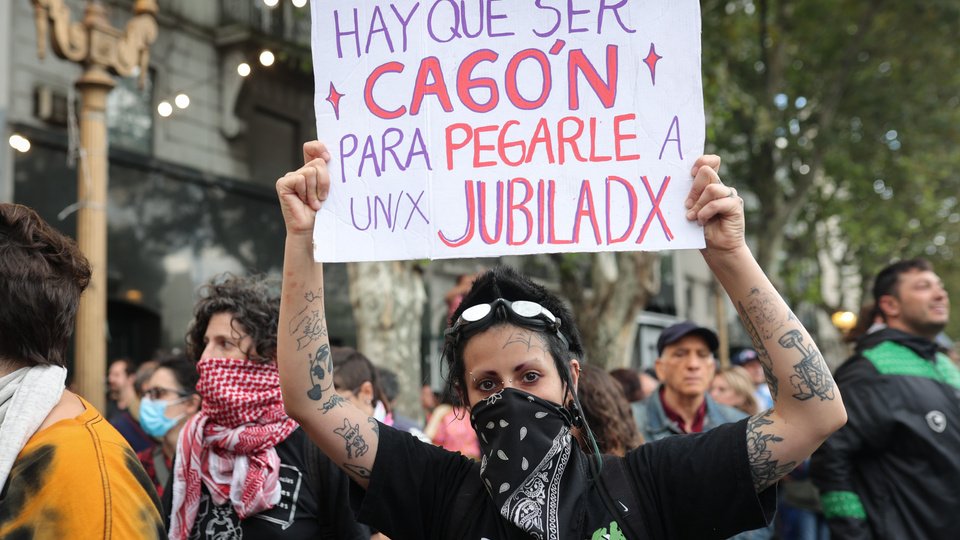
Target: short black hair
{"points": [[254, 304], [184, 371], [507, 283], [888, 279], [389, 383], [352, 368], [42, 274]]}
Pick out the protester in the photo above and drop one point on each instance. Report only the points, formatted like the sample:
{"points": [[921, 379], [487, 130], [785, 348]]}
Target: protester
{"points": [[893, 471], [121, 385], [169, 400], [64, 471], [749, 360], [449, 428], [629, 381], [243, 468], [391, 388], [513, 355], [685, 365], [607, 412], [733, 387]]}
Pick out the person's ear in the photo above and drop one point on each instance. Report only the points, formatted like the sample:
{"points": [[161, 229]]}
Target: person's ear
{"points": [[889, 306], [365, 393], [660, 368], [574, 373], [193, 403]]}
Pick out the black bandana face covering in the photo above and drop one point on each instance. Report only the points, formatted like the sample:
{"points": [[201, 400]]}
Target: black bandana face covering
{"points": [[529, 465]]}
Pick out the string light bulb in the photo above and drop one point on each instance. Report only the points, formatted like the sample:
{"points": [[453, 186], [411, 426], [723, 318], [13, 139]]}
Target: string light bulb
{"points": [[243, 69], [267, 58], [164, 109], [182, 100]]}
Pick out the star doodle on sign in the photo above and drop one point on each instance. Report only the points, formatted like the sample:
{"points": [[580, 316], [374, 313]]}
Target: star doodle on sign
{"points": [[333, 96], [651, 62]]}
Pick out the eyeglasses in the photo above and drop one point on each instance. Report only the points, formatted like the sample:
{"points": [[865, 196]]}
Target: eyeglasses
{"points": [[158, 392], [521, 312]]}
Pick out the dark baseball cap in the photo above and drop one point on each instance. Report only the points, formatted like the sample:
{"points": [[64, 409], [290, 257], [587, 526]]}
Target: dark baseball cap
{"points": [[675, 333], [743, 356]]}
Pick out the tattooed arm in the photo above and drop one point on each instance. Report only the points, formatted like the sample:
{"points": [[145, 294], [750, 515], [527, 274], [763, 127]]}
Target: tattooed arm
{"points": [[807, 406], [347, 435]]}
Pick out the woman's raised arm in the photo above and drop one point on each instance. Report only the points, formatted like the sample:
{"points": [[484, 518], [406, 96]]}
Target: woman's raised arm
{"points": [[347, 435]]}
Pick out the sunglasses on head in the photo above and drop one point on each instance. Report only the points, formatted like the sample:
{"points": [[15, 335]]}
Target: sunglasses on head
{"points": [[521, 312]]}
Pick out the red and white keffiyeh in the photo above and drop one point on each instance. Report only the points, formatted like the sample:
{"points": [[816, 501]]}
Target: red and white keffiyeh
{"points": [[229, 445]]}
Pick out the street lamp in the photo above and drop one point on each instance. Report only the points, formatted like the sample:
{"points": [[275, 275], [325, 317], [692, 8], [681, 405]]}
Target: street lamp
{"points": [[844, 320], [102, 50]]}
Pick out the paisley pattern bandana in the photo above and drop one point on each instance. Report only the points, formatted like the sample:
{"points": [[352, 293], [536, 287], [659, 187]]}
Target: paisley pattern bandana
{"points": [[529, 463]]}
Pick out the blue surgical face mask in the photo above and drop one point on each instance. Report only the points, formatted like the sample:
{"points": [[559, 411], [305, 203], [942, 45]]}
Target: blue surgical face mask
{"points": [[152, 417]]}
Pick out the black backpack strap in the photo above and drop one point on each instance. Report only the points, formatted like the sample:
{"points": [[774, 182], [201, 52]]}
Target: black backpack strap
{"points": [[616, 483]]}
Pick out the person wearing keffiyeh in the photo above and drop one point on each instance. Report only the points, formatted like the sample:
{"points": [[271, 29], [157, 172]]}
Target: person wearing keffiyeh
{"points": [[241, 463]]}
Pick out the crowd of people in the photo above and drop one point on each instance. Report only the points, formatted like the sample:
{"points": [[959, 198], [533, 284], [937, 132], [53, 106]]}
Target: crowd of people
{"points": [[261, 429]]}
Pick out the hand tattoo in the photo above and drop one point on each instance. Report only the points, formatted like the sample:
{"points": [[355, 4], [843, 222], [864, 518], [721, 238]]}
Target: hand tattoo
{"points": [[356, 446], [763, 468]]}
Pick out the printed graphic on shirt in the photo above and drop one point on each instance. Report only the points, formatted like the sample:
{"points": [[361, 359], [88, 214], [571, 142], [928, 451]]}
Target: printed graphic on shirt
{"points": [[612, 532], [222, 523]]}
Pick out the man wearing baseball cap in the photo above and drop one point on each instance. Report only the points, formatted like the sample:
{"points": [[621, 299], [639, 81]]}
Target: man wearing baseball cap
{"points": [[685, 366]]}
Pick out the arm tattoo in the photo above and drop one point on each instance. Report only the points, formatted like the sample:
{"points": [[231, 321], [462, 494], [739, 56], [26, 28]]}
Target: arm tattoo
{"points": [[321, 372], [762, 353], [334, 401], [374, 425], [356, 446], [358, 471], [764, 469], [812, 377], [309, 323]]}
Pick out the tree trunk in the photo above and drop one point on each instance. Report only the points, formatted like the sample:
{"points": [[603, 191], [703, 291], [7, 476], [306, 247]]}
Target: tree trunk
{"points": [[388, 300], [607, 296]]}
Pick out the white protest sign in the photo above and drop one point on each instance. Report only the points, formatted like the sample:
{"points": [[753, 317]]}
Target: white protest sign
{"points": [[475, 128]]}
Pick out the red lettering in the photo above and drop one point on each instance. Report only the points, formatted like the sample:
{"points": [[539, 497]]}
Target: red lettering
{"points": [[606, 92], [430, 67], [585, 208], [465, 83], [593, 143], [451, 146], [503, 145], [563, 139], [521, 207], [389, 67], [471, 212], [618, 137], [477, 147], [632, 199], [513, 92]]}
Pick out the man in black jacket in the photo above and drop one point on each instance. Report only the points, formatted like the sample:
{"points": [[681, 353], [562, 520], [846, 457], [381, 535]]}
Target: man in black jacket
{"points": [[893, 470]]}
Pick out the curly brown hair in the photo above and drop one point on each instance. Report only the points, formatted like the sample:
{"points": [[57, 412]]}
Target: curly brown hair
{"points": [[253, 303], [607, 411], [42, 274]]}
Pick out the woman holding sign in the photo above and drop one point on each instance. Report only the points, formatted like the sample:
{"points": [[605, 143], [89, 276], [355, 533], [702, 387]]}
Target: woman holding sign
{"points": [[514, 357]]}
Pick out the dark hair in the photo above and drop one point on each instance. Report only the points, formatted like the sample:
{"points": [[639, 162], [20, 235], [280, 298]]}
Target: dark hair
{"points": [[254, 306], [351, 369], [184, 371], [888, 279], [505, 282], [42, 274], [129, 367], [629, 381], [389, 383], [607, 411]]}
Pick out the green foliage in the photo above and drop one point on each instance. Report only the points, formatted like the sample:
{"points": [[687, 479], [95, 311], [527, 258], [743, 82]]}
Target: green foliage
{"points": [[841, 118]]}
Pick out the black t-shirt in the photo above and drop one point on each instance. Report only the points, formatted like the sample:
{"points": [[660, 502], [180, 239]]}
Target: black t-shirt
{"points": [[691, 486], [299, 514]]}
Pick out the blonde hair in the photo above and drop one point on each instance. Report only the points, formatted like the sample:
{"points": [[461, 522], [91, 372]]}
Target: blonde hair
{"points": [[742, 384]]}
